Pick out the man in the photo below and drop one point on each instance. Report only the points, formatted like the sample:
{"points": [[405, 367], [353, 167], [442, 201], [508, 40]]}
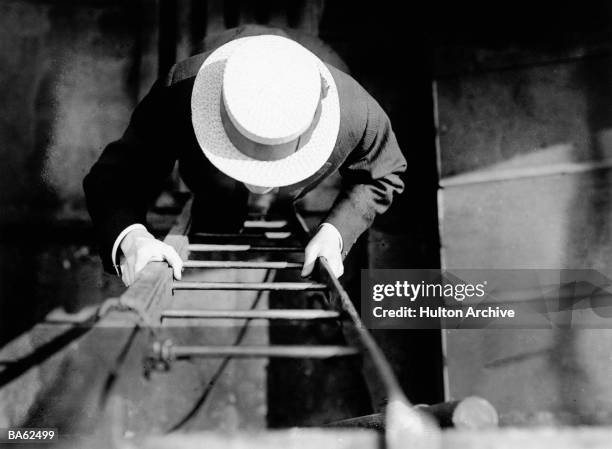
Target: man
{"points": [[256, 114]]}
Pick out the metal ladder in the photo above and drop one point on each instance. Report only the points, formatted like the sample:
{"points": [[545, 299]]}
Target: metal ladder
{"points": [[405, 426]]}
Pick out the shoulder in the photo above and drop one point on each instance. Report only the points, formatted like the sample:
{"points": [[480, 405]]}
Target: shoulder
{"points": [[186, 69], [357, 108]]}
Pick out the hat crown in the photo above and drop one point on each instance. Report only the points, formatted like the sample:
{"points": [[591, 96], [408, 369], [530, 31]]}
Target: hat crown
{"points": [[271, 89]]}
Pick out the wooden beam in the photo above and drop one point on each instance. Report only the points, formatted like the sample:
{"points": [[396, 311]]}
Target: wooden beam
{"points": [[469, 413], [294, 438]]}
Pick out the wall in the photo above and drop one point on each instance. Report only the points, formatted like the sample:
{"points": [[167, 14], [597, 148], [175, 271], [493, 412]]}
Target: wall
{"points": [[520, 141], [71, 73]]}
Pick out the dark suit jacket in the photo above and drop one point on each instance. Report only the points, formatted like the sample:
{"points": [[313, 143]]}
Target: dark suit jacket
{"points": [[129, 174]]}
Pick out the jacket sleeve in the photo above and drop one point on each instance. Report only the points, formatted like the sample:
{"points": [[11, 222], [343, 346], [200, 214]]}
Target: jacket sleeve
{"points": [[130, 173], [370, 178]]}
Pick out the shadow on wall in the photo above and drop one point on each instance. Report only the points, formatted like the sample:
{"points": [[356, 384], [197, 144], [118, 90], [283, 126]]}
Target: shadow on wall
{"points": [[579, 357], [67, 90]]}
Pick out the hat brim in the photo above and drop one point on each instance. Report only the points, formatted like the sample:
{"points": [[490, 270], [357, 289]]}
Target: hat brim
{"points": [[217, 147]]}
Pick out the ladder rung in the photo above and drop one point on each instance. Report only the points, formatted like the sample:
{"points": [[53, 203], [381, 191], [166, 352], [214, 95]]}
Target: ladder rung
{"points": [[271, 314], [276, 286], [239, 264], [272, 224], [270, 235], [292, 351], [230, 247]]}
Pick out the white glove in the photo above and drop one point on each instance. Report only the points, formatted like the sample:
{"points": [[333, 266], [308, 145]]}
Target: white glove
{"points": [[327, 243], [139, 248]]}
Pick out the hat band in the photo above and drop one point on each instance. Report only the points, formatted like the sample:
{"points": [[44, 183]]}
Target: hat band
{"points": [[261, 151]]}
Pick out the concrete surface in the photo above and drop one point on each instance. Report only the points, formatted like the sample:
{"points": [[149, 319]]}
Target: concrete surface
{"points": [[537, 115], [71, 74]]}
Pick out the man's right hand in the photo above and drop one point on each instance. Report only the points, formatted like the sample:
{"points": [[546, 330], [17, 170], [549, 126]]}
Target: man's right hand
{"points": [[139, 248]]}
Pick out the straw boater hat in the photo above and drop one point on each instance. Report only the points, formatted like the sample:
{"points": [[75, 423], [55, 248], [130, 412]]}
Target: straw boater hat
{"points": [[265, 111]]}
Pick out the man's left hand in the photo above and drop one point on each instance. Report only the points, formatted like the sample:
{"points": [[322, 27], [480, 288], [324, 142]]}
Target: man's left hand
{"points": [[326, 243]]}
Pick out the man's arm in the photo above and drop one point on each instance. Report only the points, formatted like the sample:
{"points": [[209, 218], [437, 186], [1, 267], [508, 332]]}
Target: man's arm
{"points": [[370, 178], [130, 172]]}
